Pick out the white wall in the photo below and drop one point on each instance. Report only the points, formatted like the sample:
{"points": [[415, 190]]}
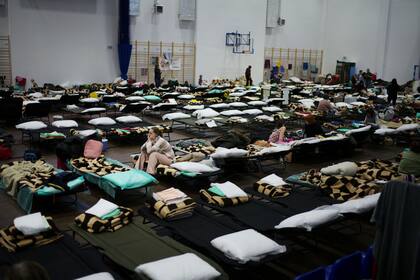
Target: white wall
{"points": [[403, 40], [214, 19], [165, 27], [352, 30], [58, 41], [304, 26], [4, 21]]}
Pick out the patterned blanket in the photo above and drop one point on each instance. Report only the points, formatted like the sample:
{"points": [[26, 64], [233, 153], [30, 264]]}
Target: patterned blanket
{"points": [[271, 191], [222, 201], [93, 224], [25, 174], [99, 166], [351, 187]]}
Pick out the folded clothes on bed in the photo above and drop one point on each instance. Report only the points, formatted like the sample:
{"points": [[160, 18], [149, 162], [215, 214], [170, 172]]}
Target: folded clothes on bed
{"points": [[112, 221], [99, 166], [270, 190], [173, 211], [12, 239], [170, 196], [222, 201]]}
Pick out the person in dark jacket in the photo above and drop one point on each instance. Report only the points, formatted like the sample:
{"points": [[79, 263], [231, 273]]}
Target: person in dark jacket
{"points": [[392, 90], [312, 127], [248, 76], [158, 75]]}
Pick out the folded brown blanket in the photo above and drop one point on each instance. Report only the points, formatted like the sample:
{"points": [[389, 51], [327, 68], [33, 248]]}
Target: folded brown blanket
{"points": [[222, 201], [271, 191], [94, 224], [13, 240], [170, 211]]}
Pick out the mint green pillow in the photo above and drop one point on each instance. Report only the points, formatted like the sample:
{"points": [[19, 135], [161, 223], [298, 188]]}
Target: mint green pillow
{"points": [[111, 214], [76, 182], [152, 98], [215, 91], [188, 173], [216, 191], [131, 179]]}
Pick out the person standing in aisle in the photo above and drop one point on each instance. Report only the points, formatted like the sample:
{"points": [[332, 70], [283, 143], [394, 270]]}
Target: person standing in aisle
{"points": [[158, 75], [392, 91], [248, 76]]}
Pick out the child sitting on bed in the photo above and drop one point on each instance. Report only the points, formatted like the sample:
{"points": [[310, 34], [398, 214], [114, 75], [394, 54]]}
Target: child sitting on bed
{"points": [[155, 151], [278, 135]]}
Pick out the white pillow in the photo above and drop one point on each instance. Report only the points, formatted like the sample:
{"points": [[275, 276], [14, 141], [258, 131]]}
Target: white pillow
{"points": [[195, 167], [128, 119], [101, 208], [238, 104], [253, 111], [194, 107], [183, 267], [238, 94], [175, 93], [406, 127], [134, 98], [358, 103], [273, 180], [89, 100], [36, 94], [72, 107], [87, 132], [57, 91], [235, 152], [31, 224], [271, 109], [257, 103], [232, 113], [186, 96], [222, 152], [247, 245], [265, 118], [98, 276], [102, 121], [32, 125], [343, 104], [346, 168], [220, 106], [359, 205], [384, 130], [175, 116], [26, 102], [65, 124], [92, 110], [310, 219], [365, 128], [229, 189], [205, 113]]}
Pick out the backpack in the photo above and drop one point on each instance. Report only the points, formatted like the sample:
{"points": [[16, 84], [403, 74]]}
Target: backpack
{"points": [[93, 149], [31, 155], [5, 152]]}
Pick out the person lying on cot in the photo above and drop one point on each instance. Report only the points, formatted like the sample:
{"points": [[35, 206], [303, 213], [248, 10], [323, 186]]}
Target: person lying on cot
{"points": [[155, 151]]}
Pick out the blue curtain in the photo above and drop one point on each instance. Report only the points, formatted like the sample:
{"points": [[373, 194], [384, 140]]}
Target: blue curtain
{"points": [[124, 47]]}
